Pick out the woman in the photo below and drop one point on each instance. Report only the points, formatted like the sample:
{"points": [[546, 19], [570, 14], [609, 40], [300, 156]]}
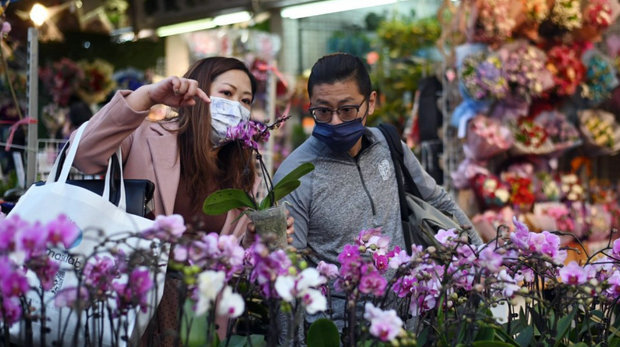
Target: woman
{"points": [[185, 157], [178, 155]]}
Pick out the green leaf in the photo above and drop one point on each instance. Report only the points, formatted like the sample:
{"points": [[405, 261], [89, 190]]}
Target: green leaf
{"points": [[423, 337], [224, 200], [614, 341], [579, 344], [323, 333], [539, 322], [295, 175], [525, 337], [563, 326], [486, 333], [491, 344], [279, 191], [244, 341], [282, 190]]}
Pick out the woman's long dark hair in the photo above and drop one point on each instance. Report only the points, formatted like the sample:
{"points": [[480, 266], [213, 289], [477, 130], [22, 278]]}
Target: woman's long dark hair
{"points": [[204, 168]]}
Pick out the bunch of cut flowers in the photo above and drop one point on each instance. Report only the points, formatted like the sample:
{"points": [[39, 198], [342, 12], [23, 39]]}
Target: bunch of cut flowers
{"points": [[565, 64], [600, 79], [61, 79], [601, 131], [491, 191], [566, 14], [492, 20], [486, 137], [98, 80], [481, 77], [563, 134], [530, 137], [523, 66]]}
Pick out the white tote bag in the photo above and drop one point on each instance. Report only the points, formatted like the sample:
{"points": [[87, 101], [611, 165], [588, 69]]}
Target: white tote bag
{"points": [[97, 219]]}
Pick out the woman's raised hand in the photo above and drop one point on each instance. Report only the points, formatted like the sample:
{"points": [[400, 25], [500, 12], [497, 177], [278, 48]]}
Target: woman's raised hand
{"points": [[176, 92]]}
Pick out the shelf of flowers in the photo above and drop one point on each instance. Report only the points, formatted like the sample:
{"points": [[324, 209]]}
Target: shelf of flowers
{"points": [[532, 87]]}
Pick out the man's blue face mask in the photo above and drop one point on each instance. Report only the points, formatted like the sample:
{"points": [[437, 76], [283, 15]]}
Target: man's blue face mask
{"points": [[341, 137]]}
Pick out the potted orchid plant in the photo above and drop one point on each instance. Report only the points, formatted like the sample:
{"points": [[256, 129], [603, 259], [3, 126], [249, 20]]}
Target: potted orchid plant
{"points": [[267, 215]]}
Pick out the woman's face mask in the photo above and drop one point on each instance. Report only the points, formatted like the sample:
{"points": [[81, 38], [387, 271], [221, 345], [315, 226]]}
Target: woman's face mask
{"points": [[225, 114]]}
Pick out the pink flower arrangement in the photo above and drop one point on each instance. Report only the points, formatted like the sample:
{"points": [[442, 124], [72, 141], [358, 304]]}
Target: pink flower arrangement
{"points": [[492, 23], [486, 137]]}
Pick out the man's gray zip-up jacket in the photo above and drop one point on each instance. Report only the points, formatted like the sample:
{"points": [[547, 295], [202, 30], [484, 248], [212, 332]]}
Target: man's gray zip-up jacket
{"points": [[344, 195]]}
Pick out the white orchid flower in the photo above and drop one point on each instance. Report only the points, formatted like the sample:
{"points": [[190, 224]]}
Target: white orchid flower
{"points": [[231, 305], [289, 288], [209, 285]]}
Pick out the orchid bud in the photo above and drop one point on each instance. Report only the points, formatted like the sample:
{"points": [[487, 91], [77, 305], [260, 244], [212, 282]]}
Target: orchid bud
{"points": [[303, 264], [431, 249]]}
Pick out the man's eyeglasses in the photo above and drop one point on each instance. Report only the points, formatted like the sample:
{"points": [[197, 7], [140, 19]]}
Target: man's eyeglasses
{"points": [[346, 113]]}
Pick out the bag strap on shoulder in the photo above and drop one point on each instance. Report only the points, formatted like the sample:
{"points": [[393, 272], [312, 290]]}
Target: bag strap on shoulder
{"points": [[387, 133], [396, 150]]}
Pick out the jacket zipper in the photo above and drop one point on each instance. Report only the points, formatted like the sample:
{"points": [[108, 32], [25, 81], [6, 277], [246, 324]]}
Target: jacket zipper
{"points": [[372, 203]]}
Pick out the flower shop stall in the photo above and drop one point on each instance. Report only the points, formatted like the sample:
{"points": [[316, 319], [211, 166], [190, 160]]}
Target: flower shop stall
{"points": [[533, 117]]}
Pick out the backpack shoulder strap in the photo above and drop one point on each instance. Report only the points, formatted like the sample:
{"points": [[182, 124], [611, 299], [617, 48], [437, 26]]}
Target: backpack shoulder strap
{"points": [[396, 150]]}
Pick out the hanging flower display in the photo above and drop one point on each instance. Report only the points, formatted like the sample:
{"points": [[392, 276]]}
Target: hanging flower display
{"points": [[490, 191], [523, 67], [571, 187], [481, 77], [600, 79], [566, 14], [97, 82], [486, 137], [536, 10], [597, 13], [61, 79], [567, 69], [562, 133], [600, 130], [530, 137], [492, 22], [521, 192]]}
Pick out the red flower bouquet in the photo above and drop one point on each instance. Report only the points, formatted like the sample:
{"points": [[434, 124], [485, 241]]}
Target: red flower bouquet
{"points": [[530, 138], [521, 193], [568, 71]]}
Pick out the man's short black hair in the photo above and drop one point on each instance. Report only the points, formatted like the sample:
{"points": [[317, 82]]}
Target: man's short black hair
{"points": [[338, 67]]}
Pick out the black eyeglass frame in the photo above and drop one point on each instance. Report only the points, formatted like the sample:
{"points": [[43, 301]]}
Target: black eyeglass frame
{"points": [[337, 111]]}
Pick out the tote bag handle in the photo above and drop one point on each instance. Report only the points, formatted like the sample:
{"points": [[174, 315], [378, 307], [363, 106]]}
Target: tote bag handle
{"points": [[65, 159]]}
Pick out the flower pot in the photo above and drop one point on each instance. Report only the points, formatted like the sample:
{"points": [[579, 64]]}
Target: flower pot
{"points": [[270, 225]]}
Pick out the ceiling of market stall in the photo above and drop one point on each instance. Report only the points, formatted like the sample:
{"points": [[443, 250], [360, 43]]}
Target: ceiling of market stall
{"points": [[117, 16]]}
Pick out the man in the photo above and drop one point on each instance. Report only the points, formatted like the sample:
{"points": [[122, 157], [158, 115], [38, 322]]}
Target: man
{"points": [[353, 186]]}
